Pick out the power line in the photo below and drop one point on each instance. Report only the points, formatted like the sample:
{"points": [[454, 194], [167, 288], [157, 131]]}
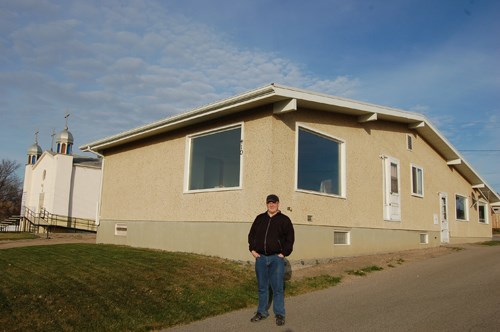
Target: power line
{"points": [[479, 150]]}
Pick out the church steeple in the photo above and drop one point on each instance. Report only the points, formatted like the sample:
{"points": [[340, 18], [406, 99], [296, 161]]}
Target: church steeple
{"points": [[34, 151], [64, 140]]}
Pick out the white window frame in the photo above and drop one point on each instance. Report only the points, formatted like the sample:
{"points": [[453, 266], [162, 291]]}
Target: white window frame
{"points": [[121, 229], [486, 213], [425, 237], [419, 181], [342, 163], [466, 208], [187, 163], [347, 237]]}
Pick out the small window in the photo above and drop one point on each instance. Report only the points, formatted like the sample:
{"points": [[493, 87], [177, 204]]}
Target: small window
{"points": [[409, 142], [424, 238], [461, 208], [394, 178], [121, 229], [341, 238], [417, 181], [320, 163], [215, 159], [483, 213]]}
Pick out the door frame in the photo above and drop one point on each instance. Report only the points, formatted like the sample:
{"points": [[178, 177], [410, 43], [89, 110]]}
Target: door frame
{"points": [[444, 217], [392, 199]]}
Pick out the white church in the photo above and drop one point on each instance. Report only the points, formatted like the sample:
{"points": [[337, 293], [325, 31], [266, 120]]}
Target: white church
{"points": [[61, 190]]}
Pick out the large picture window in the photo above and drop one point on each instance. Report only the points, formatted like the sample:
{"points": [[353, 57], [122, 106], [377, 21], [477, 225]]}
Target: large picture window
{"points": [[461, 207], [319, 163], [417, 181], [215, 159]]}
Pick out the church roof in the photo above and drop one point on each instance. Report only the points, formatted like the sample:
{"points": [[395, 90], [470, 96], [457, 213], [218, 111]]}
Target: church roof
{"points": [[87, 161], [35, 149], [65, 136]]}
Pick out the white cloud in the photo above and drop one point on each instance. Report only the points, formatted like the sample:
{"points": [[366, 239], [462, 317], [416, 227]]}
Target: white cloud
{"points": [[119, 64]]}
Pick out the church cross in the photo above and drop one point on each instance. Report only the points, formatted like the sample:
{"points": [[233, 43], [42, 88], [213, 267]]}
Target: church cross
{"points": [[66, 117], [52, 143]]}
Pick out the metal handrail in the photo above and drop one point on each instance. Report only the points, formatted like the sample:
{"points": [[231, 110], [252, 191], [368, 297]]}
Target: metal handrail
{"points": [[68, 222], [47, 220]]}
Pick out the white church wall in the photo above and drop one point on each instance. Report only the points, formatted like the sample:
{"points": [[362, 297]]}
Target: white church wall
{"points": [[41, 183], [85, 192], [62, 185]]}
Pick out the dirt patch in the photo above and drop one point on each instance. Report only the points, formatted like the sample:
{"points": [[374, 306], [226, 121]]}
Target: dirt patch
{"points": [[54, 238], [339, 267]]}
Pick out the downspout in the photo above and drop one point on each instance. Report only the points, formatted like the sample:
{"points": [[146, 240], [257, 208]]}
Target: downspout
{"points": [[98, 213]]}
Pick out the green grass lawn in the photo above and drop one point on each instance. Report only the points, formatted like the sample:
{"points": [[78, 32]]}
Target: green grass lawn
{"points": [[89, 287]]}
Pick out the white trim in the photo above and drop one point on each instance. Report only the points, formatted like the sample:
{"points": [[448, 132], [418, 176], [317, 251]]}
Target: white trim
{"points": [[444, 217], [413, 193], [347, 235], [426, 236], [367, 117], [274, 93], [486, 213], [387, 161], [342, 162], [187, 159], [121, 229], [287, 105], [466, 207]]}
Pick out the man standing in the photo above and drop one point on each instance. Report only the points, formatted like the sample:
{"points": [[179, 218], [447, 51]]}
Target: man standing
{"points": [[270, 240]]}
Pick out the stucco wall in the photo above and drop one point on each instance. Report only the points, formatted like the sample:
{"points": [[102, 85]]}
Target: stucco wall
{"points": [[147, 181]]}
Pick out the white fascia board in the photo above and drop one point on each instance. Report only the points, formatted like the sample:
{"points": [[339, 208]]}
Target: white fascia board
{"points": [[275, 93], [458, 161], [181, 119], [363, 107]]}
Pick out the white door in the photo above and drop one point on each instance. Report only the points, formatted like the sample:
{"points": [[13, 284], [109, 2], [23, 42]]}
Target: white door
{"points": [[392, 198], [443, 217]]}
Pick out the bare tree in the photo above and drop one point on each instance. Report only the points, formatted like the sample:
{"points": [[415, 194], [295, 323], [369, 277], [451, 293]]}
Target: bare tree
{"points": [[11, 189]]}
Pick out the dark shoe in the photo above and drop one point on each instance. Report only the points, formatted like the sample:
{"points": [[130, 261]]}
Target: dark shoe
{"points": [[258, 317], [280, 320]]}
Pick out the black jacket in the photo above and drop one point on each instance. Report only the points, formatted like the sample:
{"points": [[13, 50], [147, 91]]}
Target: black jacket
{"points": [[271, 235]]}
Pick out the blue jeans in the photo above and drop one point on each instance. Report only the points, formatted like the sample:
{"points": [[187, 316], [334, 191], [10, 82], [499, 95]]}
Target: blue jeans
{"points": [[270, 270]]}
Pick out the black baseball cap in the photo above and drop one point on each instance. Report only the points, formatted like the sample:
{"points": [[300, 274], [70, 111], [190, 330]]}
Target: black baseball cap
{"points": [[272, 198]]}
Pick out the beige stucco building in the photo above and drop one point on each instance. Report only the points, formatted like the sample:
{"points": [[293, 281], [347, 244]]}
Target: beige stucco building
{"points": [[355, 178]]}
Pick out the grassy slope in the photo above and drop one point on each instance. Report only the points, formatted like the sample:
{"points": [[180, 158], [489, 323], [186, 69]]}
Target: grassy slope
{"points": [[111, 288]]}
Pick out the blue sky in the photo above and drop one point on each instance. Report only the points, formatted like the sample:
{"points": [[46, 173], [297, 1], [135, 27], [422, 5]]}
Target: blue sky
{"points": [[118, 64]]}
